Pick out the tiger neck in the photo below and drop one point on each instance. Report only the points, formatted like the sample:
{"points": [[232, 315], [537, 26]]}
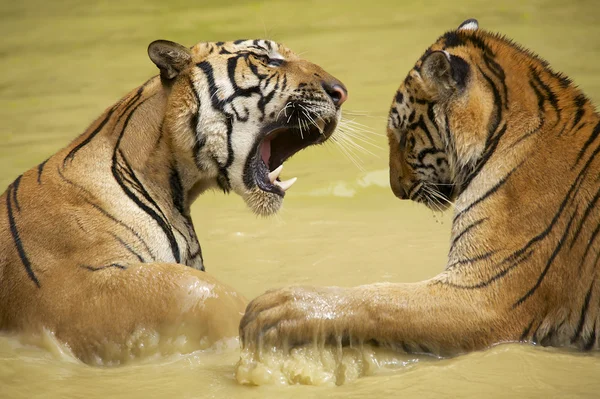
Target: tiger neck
{"points": [[125, 163], [143, 151], [524, 181]]}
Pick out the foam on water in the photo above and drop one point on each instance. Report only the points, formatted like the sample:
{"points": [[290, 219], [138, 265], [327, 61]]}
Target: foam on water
{"points": [[312, 365]]}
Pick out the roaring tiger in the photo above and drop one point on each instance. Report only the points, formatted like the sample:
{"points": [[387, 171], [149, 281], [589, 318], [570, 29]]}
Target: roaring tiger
{"points": [[97, 244], [484, 123]]}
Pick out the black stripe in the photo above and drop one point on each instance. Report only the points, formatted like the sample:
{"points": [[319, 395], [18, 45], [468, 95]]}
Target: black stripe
{"points": [[465, 231], [588, 247], [587, 212], [119, 178], [497, 104], [583, 314], [40, 171], [529, 134], [490, 146], [207, 69], [580, 101], [223, 179], [128, 248], [15, 189], [482, 284], [549, 94], [89, 138], [421, 124], [428, 151], [499, 72], [575, 186], [431, 115], [473, 259], [120, 223], [548, 264], [589, 141], [479, 42], [17, 239], [451, 39], [105, 213], [540, 97], [128, 175], [95, 269], [177, 193], [199, 139], [525, 333], [564, 81], [487, 194], [518, 256]]}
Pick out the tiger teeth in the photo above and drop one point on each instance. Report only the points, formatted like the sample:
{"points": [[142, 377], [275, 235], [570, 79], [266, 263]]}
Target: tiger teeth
{"points": [[285, 185], [275, 174]]}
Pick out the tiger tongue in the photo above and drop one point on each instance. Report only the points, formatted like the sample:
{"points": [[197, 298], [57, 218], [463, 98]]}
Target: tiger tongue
{"points": [[265, 154], [265, 151]]}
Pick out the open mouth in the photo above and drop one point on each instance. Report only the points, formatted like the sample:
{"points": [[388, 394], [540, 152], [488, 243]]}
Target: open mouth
{"points": [[277, 146]]}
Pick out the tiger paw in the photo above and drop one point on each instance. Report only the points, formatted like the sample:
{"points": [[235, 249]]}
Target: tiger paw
{"points": [[294, 316]]}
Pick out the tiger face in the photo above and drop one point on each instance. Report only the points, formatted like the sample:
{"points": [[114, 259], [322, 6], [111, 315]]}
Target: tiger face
{"points": [[438, 124], [419, 163], [239, 110]]}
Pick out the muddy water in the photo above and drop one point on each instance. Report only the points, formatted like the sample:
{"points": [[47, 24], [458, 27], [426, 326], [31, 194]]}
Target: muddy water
{"points": [[62, 63]]}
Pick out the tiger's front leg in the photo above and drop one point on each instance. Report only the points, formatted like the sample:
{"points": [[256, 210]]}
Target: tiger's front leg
{"points": [[117, 313], [419, 317]]}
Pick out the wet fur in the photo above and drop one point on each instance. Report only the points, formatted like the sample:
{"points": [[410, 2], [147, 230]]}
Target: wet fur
{"points": [[97, 244], [518, 146]]}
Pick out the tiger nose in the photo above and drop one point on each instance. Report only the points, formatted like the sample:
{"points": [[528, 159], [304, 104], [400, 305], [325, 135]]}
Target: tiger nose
{"points": [[336, 91]]}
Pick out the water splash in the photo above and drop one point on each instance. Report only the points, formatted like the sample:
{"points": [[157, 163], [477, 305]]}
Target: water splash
{"points": [[318, 365]]}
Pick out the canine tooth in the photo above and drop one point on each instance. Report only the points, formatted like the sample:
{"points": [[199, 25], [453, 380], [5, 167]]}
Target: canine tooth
{"points": [[275, 174], [321, 125], [285, 185]]}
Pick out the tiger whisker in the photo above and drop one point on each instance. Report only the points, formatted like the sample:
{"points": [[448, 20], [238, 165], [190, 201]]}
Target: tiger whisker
{"points": [[363, 114], [350, 142], [288, 104], [436, 194], [346, 151], [358, 137], [363, 128]]}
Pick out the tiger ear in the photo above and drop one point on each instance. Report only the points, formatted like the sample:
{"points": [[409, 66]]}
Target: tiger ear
{"points": [[171, 58], [444, 73], [469, 24]]}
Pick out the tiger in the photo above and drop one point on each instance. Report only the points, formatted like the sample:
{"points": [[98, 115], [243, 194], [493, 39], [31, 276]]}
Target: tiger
{"points": [[486, 126], [97, 243]]}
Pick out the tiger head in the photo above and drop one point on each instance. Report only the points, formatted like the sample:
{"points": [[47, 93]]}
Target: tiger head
{"points": [[238, 110], [439, 121]]}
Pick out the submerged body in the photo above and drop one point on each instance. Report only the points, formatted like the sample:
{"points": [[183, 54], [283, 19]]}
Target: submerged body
{"points": [[97, 244], [484, 123]]}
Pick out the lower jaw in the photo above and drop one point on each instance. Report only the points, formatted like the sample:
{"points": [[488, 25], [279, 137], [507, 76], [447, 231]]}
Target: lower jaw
{"points": [[263, 203]]}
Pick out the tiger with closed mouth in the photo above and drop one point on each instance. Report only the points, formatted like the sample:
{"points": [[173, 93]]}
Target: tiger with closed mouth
{"points": [[97, 244], [487, 125]]}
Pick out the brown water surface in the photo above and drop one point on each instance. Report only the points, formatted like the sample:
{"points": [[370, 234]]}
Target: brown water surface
{"points": [[62, 63]]}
